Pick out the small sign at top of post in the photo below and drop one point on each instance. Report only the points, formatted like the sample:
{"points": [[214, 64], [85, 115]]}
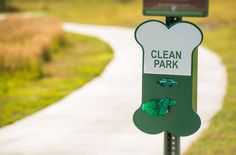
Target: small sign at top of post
{"points": [[181, 8]]}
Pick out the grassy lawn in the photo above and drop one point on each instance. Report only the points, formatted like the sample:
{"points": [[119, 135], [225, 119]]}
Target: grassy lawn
{"points": [[74, 60], [219, 35], [109, 12]]}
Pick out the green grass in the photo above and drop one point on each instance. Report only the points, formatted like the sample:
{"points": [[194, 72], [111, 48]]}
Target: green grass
{"points": [[220, 36], [78, 61], [111, 12]]}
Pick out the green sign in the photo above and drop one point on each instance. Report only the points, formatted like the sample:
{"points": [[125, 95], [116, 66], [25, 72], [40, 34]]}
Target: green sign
{"points": [[189, 8], [169, 80]]}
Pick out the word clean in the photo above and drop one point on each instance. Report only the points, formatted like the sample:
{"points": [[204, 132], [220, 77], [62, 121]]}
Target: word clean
{"points": [[166, 59]]}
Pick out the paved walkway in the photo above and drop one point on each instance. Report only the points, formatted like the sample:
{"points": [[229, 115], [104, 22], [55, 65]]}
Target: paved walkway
{"points": [[97, 119]]}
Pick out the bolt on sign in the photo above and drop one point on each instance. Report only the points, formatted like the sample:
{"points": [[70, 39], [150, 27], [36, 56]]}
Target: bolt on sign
{"points": [[189, 8], [169, 78]]}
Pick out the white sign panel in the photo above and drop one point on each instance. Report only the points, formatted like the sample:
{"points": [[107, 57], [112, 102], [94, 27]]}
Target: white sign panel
{"points": [[168, 50]]}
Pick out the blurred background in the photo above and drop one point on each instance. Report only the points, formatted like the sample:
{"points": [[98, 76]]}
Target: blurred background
{"points": [[40, 63]]}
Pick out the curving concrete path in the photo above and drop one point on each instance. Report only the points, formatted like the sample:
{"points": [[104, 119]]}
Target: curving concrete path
{"points": [[97, 119]]}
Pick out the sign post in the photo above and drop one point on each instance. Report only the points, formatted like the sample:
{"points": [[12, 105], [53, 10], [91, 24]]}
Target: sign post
{"points": [[169, 74], [171, 142]]}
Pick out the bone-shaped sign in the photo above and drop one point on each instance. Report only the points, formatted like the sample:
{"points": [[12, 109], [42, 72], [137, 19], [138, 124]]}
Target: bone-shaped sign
{"points": [[169, 76]]}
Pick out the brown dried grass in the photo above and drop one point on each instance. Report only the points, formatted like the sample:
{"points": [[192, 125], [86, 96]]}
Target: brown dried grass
{"points": [[24, 42]]}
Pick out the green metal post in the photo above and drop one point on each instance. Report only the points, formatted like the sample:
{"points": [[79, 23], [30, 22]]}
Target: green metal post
{"points": [[171, 142], [172, 20]]}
